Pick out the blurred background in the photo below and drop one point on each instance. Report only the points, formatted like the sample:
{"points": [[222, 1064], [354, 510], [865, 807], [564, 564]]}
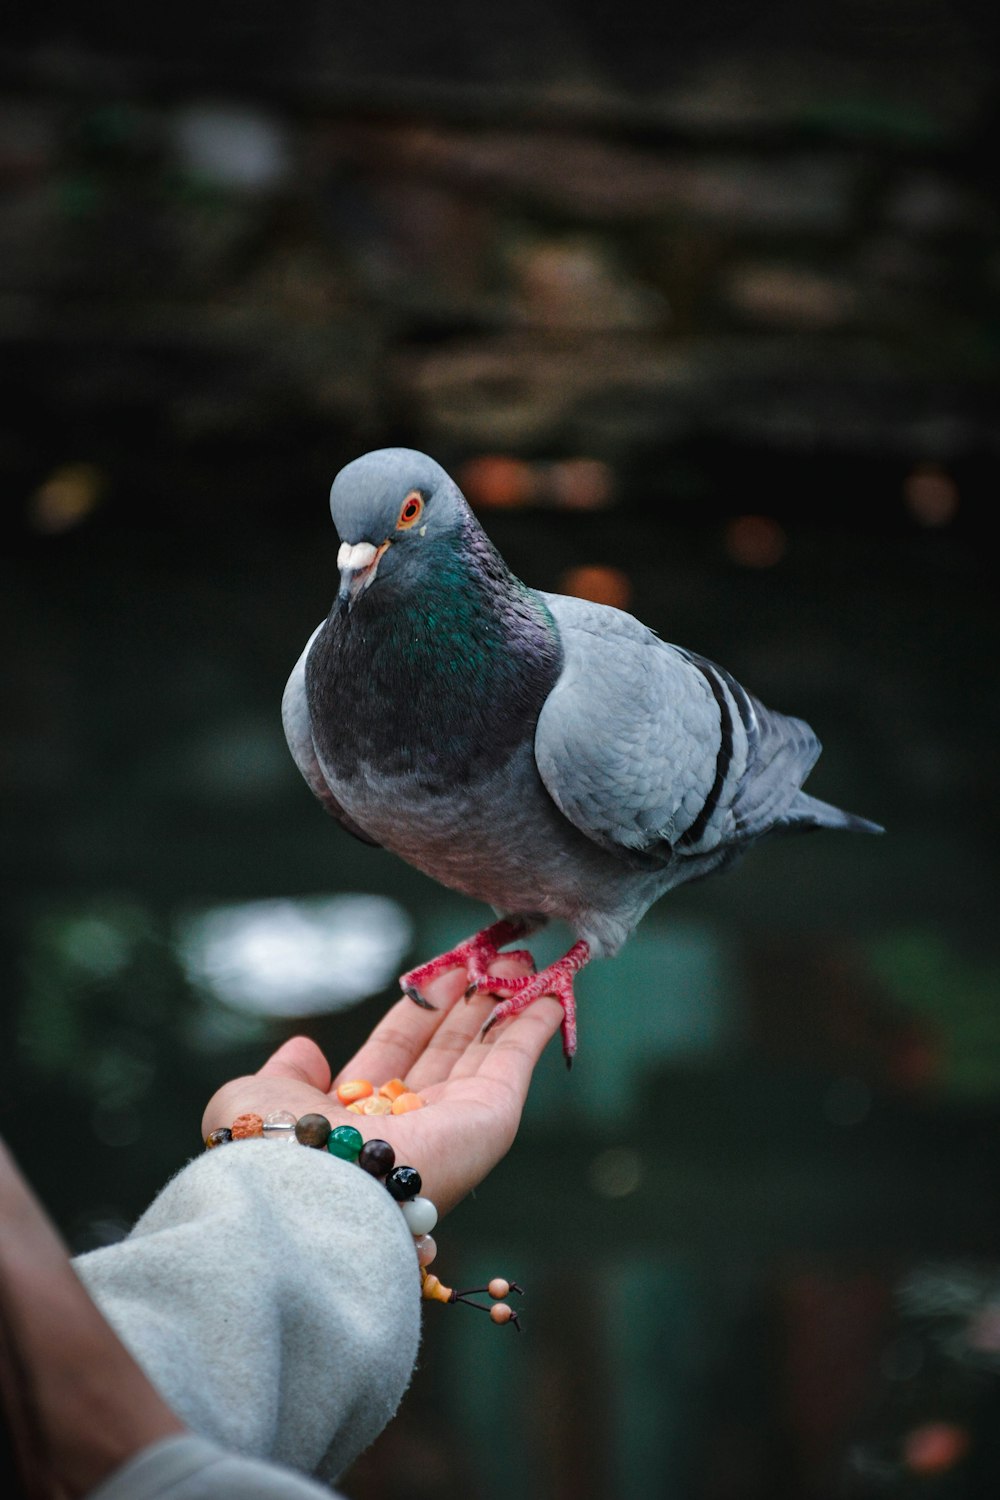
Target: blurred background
{"points": [[702, 308]]}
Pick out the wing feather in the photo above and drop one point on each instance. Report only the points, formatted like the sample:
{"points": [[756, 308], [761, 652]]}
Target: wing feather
{"points": [[652, 750]]}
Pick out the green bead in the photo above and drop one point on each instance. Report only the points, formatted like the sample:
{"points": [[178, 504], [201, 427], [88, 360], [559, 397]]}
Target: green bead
{"points": [[345, 1141]]}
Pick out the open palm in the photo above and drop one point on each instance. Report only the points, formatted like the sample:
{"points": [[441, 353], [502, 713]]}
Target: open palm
{"points": [[474, 1088]]}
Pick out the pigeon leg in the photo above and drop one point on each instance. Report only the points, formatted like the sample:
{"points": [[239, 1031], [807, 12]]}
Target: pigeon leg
{"points": [[556, 980], [475, 954]]}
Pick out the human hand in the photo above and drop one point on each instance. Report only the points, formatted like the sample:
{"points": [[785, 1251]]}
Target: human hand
{"points": [[474, 1088]]}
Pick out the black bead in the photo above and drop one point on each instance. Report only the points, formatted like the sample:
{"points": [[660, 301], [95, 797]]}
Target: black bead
{"points": [[403, 1183], [377, 1157], [312, 1130]]}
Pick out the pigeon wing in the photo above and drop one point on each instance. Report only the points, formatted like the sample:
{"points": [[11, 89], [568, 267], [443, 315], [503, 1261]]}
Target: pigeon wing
{"points": [[298, 732], [649, 748], [780, 751]]}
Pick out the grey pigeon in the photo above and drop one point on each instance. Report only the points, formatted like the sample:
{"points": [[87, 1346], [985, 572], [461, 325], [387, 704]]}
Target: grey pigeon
{"points": [[549, 756]]}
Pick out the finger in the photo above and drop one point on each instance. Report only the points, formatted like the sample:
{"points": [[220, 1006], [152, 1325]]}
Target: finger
{"points": [[509, 1054], [450, 1042], [403, 1033], [301, 1059], [460, 1029]]}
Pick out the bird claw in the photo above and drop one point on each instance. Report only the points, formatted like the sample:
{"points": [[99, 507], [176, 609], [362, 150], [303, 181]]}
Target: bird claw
{"points": [[484, 983], [475, 954], [514, 993], [556, 980], [412, 993]]}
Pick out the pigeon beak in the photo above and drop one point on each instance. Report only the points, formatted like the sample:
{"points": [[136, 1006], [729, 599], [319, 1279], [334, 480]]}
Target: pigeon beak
{"points": [[357, 566]]}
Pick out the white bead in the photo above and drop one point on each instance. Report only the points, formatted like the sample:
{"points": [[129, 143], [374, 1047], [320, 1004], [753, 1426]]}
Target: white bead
{"points": [[279, 1125], [280, 1117], [420, 1215]]}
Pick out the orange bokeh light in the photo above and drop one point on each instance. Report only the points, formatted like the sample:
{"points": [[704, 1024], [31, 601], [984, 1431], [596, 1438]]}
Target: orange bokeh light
{"points": [[497, 482], [755, 541], [598, 582]]}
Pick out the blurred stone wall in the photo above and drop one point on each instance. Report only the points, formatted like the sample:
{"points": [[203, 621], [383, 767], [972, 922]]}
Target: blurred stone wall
{"points": [[738, 234]]}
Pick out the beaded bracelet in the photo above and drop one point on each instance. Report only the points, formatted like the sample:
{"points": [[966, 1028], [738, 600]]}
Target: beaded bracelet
{"points": [[378, 1158]]}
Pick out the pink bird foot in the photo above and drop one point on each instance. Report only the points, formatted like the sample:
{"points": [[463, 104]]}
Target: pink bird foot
{"points": [[556, 980], [475, 955]]}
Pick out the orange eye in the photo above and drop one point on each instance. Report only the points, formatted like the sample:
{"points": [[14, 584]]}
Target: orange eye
{"points": [[410, 511]]}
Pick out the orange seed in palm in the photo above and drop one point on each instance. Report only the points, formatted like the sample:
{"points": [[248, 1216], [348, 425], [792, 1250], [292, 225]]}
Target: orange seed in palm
{"points": [[403, 1103], [354, 1089]]}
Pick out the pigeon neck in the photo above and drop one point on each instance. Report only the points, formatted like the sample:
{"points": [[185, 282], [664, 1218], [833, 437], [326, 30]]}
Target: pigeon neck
{"points": [[473, 619], [465, 658]]}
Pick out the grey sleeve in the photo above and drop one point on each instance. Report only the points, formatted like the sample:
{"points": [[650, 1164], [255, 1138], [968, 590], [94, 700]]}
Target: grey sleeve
{"points": [[272, 1294], [191, 1468]]}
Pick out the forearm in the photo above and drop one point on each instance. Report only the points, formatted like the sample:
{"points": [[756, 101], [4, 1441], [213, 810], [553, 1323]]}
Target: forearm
{"points": [[63, 1372]]}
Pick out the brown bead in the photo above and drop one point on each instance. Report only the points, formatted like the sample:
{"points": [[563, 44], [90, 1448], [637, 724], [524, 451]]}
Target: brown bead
{"points": [[218, 1137], [500, 1312], [313, 1130], [245, 1126], [377, 1157], [498, 1287]]}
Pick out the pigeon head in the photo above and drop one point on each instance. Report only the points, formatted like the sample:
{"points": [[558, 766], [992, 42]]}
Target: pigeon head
{"points": [[389, 507]]}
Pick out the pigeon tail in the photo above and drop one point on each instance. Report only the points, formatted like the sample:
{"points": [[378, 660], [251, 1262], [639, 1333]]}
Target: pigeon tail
{"points": [[809, 812]]}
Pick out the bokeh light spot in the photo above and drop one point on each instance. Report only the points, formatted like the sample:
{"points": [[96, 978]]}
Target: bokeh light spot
{"points": [[931, 495], [296, 958], [934, 1447], [755, 541], [69, 495], [616, 1173], [581, 484], [598, 582], [496, 482]]}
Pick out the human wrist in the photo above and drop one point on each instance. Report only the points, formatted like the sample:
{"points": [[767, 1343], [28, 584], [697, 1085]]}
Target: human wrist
{"points": [[376, 1157]]}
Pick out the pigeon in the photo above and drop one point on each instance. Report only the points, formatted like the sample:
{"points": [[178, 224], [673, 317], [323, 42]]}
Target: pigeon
{"points": [[547, 755]]}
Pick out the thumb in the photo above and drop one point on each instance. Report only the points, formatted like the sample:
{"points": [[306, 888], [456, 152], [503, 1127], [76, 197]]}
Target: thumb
{"points": [[301, 1059]]}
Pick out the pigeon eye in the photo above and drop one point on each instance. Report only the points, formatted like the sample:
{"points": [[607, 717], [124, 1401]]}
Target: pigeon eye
{"points": [[410, 510]]}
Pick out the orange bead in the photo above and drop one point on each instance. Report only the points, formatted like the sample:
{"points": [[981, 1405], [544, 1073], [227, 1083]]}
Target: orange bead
{"points": [[501, 1313], [354, 1090], [405, 1102], [434, 1290], [498, 1287], [393, 1088], [245, 1126]]}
